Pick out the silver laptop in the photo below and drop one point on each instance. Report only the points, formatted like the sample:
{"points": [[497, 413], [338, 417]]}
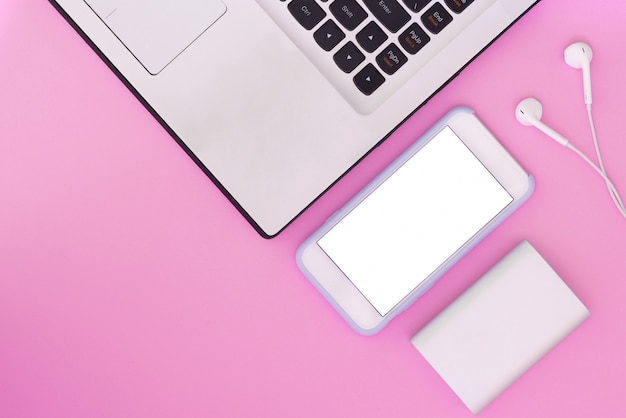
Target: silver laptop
{"points": [[276, 99]]}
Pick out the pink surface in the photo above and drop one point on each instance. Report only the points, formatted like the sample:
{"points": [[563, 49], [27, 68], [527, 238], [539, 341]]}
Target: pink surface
{"points": [[130, 287]]}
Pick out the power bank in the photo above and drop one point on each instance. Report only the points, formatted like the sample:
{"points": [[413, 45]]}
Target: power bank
{"points": [[502, 325]]}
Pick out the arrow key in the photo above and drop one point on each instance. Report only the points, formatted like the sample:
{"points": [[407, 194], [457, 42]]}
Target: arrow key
{"points": [[368, 79], [348, 57], [371, 37], [328, 35]]}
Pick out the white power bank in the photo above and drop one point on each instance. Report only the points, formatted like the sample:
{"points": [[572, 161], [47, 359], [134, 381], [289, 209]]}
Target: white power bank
{"points": [[502, 325]]}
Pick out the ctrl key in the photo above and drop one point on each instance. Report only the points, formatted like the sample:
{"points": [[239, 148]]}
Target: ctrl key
{"points": [[368, 79], [307, 12]]}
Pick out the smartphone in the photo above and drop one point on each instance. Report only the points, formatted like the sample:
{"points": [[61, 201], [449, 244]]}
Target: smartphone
{"points": [[397, 236]]}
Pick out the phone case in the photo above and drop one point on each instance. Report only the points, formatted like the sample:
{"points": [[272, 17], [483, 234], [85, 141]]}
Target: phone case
{"points": [[369, 188]]}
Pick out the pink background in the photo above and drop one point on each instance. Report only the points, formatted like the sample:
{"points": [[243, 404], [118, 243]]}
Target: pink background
{"points": [[130, 287]]}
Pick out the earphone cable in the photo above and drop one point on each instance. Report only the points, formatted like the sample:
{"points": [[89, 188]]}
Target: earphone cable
{"points": [[612, 189], [594, 135]]}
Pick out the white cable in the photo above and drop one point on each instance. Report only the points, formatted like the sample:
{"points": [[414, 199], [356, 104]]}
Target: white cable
{"points": [[594, 135], [612, 190], [592, 125]]}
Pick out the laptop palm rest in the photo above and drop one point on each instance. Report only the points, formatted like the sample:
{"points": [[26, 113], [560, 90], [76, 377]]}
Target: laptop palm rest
{"points": [[157, 31]]}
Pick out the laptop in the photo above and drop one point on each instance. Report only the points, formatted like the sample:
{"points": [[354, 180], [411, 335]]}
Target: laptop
{"points": [[275, 100]]}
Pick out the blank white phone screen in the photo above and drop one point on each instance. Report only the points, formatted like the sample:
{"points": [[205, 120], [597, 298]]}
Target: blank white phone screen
{"points": [[414, 221]]}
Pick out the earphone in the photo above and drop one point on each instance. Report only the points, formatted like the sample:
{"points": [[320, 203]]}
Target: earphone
{"points": [[578, 55], [529, 112]]}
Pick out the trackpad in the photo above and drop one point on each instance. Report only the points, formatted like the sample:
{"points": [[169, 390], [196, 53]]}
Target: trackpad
{"points": [[157, 31]]}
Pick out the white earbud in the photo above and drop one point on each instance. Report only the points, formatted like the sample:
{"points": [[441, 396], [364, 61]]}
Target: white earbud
{"points": [[529, 111], [579, 55]]}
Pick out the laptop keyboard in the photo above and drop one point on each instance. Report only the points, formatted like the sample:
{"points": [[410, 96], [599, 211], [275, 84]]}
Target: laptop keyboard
{"points": [[371, 40]]}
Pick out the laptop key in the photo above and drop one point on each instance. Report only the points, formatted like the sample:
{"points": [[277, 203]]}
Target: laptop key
{"points": [[413, 39], [368, 79], [389, 12], [348, 57], [371, 37], [307, 12], [391, 59], [416, 5], [348, 13], [457, 6], [328, 35], [436, 18]]}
